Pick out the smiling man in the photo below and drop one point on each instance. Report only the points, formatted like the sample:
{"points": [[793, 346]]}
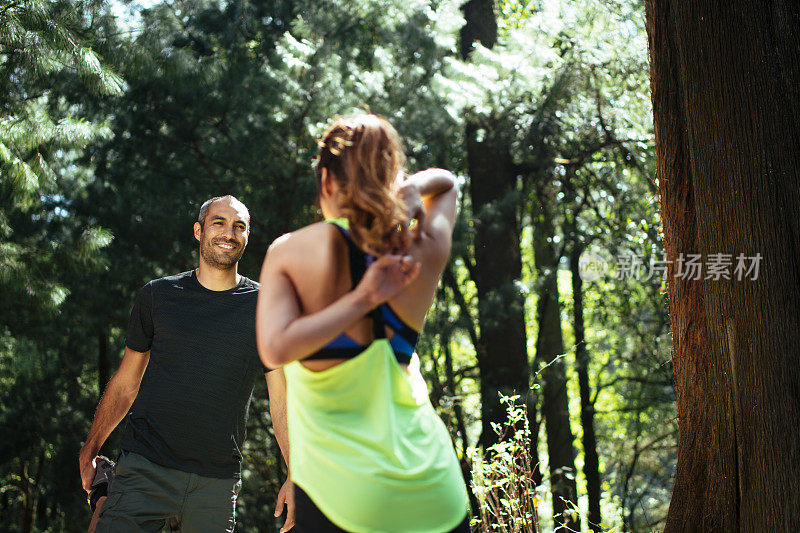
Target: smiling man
{"points": [[189, 370]]}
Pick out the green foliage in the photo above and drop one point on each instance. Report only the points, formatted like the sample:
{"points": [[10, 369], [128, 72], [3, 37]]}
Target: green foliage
{"points": [[502, 476], [45, 252], [39, 139], [514, 14], [40, 40]]}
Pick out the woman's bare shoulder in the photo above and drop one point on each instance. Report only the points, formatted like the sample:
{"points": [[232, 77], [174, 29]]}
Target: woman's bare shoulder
{"points": [[300, 239], [303, 248]]}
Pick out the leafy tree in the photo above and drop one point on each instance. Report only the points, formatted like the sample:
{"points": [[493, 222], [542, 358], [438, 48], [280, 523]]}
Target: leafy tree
{"points": [[41, 43], [45, 49]]}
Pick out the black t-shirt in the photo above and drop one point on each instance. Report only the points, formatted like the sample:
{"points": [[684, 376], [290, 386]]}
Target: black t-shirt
{"points": [[192, 406]]}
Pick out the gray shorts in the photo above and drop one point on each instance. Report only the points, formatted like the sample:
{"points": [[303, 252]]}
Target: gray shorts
{"points": [[145, 496]]}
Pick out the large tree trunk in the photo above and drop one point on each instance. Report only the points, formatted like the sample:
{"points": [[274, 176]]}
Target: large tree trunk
{"points": [[725, 81], [504, 365], [591, 461], [549, 351], [503, 355]]}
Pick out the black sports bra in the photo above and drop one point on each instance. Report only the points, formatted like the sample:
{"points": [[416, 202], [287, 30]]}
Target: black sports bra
{"points": [[405, 337]]}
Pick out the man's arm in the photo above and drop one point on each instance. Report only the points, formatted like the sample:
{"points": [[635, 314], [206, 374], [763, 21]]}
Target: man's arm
{"points": [[276, 389], [117, 400]]}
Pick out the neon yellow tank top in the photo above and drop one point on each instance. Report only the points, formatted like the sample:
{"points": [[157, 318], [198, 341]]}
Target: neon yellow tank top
{"points": [[368, 448]]}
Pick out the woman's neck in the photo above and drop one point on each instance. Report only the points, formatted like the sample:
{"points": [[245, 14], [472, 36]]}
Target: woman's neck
{"points": [[330, 211]]}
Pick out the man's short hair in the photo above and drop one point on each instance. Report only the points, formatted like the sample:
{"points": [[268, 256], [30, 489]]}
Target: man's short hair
{"points": [[201, 216]]}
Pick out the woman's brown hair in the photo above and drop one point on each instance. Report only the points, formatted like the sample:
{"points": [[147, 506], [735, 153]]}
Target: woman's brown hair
{"points": [[364, 155]]}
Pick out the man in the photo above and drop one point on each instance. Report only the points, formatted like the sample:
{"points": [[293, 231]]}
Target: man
{"points": [[190, 364]]}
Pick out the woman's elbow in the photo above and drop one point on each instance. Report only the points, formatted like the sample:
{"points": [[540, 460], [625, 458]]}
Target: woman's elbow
{"points": [[271, 355]]}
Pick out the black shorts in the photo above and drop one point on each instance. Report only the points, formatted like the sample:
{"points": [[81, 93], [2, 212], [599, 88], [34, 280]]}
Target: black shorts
{"points": [[309, 519]]}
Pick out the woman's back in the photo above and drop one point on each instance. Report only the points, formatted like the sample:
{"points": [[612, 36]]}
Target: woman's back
{"points": [[326, 277]]}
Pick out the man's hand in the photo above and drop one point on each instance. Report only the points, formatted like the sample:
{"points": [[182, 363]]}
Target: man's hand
{"points": [[286, 497], [87, 466]]}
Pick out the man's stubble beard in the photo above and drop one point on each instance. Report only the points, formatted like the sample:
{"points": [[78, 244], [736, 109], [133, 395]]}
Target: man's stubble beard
{"points": [[217, 259]]}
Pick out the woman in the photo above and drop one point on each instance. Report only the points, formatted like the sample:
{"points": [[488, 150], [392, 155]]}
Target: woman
{"points": [[342, 310]]}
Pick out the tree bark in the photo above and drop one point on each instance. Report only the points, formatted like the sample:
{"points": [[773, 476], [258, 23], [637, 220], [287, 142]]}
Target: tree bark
{"points": [[481, 25], [498, 268], [502, 356], [725, 82], [550, 350], [591, 461]]}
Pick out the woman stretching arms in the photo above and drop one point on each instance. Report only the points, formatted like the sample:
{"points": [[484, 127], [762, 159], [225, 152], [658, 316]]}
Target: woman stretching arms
{"points": [[342, 310]]}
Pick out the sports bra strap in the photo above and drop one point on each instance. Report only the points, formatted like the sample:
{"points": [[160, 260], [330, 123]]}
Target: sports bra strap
{"points": [[356, 257], [359, 261], [378, 323]]}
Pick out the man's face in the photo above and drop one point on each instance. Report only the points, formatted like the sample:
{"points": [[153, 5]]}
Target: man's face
{"points": [[224, 235]]}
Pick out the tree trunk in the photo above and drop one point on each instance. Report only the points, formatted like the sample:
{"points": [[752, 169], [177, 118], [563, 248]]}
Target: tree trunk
{"points": [[591, 461], [550, 350], [481, 25], [504, 366], [503, 356], [725, 81]]}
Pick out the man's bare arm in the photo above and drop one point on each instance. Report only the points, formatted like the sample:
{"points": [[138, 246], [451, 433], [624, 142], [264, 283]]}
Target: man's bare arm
{"points": [[117, 400], [276, 388]]}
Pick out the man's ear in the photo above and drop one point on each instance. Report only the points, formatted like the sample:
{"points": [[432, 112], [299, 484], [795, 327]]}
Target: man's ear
{"points": [[198, 231]]}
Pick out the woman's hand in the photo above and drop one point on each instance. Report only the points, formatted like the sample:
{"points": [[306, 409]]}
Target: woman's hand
{"points": [[420, 192], [386, 277], [415, 213]]}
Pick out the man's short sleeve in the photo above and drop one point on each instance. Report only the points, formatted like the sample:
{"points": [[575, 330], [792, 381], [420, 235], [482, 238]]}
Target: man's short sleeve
{"points": [[261, 365], [140, 326]]}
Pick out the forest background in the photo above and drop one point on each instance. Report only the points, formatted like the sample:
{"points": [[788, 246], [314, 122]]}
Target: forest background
{"points": [[117, 120]]}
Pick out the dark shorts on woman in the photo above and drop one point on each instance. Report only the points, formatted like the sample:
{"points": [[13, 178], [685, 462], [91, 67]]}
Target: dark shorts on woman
{"points": [[309, 519]]}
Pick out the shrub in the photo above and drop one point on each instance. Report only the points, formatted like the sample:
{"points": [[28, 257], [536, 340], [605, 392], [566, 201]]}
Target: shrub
{"points": [[502, 477]]}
